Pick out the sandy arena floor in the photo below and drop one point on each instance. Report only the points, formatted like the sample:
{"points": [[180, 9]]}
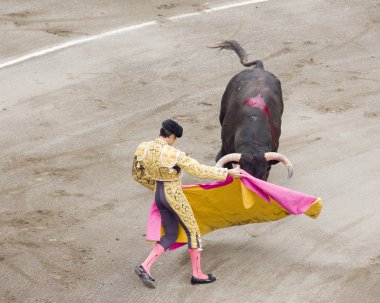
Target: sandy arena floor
{"points": [[72, 221]]}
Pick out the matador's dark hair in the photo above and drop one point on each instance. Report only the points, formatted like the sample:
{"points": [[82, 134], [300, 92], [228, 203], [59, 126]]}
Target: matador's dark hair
{"points": [[170, 127]]}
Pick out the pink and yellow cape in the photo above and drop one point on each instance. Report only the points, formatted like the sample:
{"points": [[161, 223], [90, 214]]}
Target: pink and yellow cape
{"points": [[235, 202]]}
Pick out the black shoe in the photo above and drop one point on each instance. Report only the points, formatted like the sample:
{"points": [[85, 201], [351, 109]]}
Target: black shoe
{"points": [[144, 276], [210, 279]]}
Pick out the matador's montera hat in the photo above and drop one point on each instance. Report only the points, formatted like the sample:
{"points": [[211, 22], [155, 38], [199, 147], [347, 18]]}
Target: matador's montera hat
{"points": [[173, 127]]}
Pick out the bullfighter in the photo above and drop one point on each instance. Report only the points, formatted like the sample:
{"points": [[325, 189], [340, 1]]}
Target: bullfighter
{"points": [[158, 166]]}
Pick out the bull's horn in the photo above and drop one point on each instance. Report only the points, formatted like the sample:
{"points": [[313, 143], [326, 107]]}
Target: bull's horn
{"points": [[235, 157], [279, 157]]}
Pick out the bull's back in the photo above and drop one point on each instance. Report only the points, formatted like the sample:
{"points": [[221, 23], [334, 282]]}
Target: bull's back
{"points": [[234, 110], [249, 84]]}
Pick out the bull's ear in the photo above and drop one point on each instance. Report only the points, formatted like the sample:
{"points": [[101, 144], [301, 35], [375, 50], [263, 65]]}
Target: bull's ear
{"points": [[228, 165], [273, 162]]}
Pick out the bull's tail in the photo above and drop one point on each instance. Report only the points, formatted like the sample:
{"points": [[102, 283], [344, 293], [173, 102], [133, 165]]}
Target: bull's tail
{"points": [[235, 46]]}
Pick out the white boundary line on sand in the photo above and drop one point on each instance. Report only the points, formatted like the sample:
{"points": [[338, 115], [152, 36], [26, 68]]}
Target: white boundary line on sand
{"points": [[119, 31]]}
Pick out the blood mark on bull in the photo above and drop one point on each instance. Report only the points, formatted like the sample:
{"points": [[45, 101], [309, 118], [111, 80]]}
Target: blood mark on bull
{"points": [[259, 102]]}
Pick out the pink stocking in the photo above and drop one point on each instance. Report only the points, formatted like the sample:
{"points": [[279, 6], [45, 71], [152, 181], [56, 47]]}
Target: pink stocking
{"points": [[195, 255], [157, 251]]}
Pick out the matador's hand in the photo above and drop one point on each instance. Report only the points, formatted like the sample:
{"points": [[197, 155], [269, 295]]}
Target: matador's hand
{"points": [[235, 173]]}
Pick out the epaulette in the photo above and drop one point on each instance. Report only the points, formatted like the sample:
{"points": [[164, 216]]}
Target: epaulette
{"points": [[169, 156], [141, 150]]}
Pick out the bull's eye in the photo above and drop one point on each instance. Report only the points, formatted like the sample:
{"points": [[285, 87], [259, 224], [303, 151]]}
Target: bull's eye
{"points": [[254, 118]]}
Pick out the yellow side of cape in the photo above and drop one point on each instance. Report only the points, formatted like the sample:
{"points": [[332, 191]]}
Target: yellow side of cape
{"points": [[233, 205]]}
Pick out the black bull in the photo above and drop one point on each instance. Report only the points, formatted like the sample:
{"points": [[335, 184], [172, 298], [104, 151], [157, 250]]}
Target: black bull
{"points": [[250, 117]]}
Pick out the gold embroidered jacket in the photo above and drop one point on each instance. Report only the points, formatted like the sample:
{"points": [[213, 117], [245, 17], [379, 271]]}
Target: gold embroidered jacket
{"points": [[157, 160]]}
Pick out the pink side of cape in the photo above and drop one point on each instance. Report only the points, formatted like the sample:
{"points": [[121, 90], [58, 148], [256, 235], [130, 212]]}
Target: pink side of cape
{"points": [[294, 202]]}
